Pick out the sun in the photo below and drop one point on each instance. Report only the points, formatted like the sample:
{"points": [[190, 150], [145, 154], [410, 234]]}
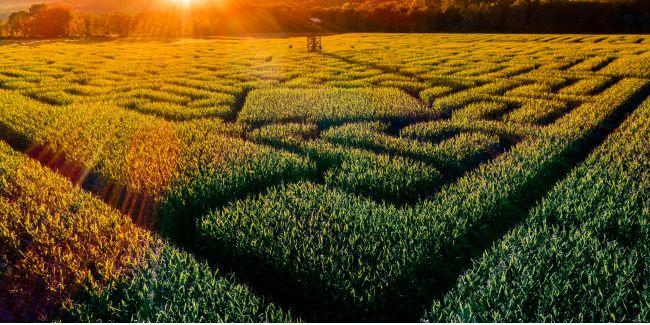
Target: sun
{"points": [[184, 3]]}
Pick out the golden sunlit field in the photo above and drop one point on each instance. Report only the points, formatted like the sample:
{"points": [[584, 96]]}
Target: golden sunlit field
{"points": [[392, 177]]}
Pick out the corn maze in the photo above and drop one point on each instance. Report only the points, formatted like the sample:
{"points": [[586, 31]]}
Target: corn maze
{"points": [[389, 178]]}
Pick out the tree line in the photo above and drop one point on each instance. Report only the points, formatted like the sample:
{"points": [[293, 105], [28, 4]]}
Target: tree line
{"points": [[514, 16]]}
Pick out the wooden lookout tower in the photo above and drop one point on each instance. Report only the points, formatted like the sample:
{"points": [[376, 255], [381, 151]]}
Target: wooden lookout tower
{"points": [[314, 31]]}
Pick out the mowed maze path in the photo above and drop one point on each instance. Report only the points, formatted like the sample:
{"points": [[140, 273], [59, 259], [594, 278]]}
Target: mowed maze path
{"points": [[391, 178]]}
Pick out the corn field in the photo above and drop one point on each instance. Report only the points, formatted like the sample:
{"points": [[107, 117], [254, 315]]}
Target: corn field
{"points": [[393, 177]]}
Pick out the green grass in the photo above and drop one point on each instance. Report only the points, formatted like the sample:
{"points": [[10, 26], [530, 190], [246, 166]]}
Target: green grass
{"points": [[329, 106], [547, 274], [453, 155], [337, 243], [67, 255], [172, 286], [397, 180], [582, 254]]}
